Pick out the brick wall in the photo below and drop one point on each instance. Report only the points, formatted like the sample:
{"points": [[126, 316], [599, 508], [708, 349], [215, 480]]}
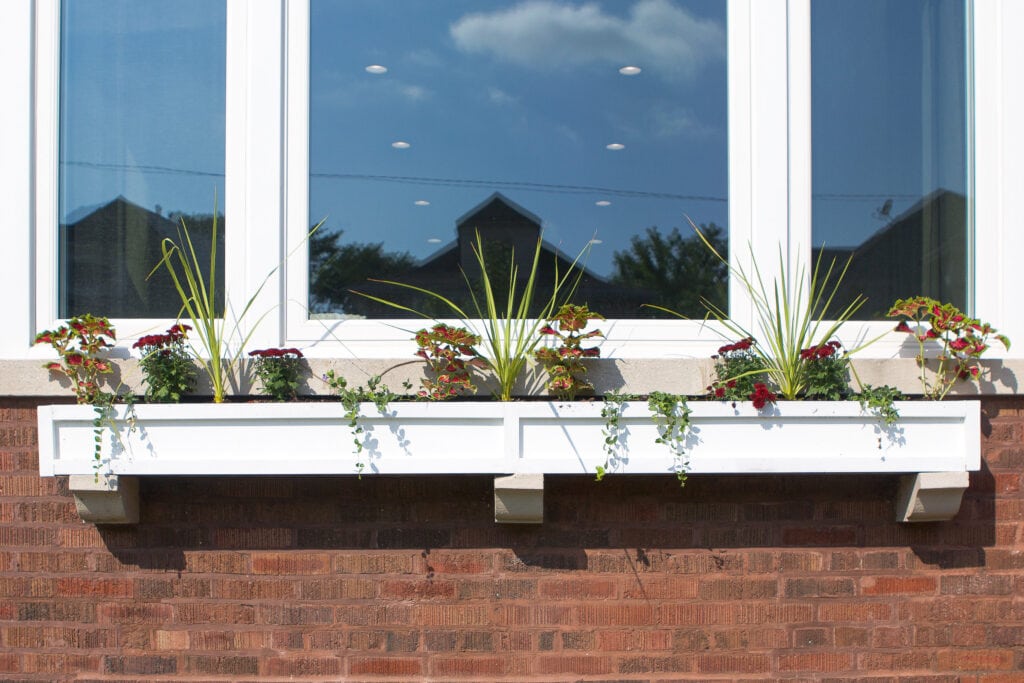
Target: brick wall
{"points": [[331, 578]]}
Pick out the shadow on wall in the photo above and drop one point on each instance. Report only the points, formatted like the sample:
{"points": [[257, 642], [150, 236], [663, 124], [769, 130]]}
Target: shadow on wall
{"points": [[649, 520]]}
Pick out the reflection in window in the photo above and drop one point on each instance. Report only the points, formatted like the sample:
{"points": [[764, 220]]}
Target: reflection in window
{"points": [[599, 126], [889, 107], [141, 145]]}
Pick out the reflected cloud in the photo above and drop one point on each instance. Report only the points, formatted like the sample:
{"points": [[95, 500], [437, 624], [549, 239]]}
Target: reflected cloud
{"points": [[543, 34], [500, 97]]}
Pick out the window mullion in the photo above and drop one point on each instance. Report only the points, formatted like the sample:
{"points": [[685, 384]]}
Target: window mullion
{"points": [[254, 177]]}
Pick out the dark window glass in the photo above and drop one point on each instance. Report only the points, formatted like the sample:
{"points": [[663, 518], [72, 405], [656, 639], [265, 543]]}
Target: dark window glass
{"points": [[141, 146], [890, 142]]}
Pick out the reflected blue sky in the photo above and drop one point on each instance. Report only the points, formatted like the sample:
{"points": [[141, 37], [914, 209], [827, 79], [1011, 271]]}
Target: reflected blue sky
{"points": [[528, 99], [142, 104]]}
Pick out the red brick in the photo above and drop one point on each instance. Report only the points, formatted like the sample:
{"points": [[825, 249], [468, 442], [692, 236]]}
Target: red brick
{"points": [[293, 562], [221, 665], [577, 589], [416, 589], [898, 585], [819, 536], [304, 667], [585, 665], [733, 663], [472, 667], [905, 660], [816, 662], [106, 588], [656, 664], [386, 666], [975, 660]]}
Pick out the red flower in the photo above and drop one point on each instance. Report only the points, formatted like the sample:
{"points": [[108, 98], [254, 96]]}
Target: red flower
{"points": [[761, 396]]}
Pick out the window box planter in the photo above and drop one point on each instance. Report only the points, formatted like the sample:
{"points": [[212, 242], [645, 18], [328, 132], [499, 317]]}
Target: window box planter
{"points": [[525, 438]]}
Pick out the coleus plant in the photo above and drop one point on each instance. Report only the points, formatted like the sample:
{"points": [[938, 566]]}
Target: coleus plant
{"points": [[564, 363], [450, 352], [959, 339], [81, 346]]}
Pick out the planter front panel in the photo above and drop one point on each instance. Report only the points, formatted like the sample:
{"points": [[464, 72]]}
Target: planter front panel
{"points": [[497, 438]]}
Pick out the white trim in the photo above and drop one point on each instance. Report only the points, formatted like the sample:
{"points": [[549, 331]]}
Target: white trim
{"points": [[267, 180], [47, 135], [513, 437], [16, 141]]}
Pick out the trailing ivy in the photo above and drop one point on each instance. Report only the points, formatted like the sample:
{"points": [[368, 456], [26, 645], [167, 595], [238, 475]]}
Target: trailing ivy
{"points": [[374, 392], [879, 400], [672, 417], [611, 412]]}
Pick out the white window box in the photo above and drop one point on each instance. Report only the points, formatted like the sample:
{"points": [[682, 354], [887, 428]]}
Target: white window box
{"points": [[521, 438]]}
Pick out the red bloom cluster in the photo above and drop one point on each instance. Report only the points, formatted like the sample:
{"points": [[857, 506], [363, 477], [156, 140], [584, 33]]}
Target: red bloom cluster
{"points": [[762, 396], [741, 345], [821, 351], [276, 353], [174, 334]]}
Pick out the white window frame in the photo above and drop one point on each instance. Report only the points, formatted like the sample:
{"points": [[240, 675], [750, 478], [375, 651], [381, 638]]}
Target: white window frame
{"points": [[266, 167]]}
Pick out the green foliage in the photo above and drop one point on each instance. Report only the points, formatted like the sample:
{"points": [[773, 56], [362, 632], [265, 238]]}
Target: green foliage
{"points": [[788, 315], [879, 400], [82, 346], [279, 371], [672, 418], [960, 341], [828, 372], [680, 271], [218, 348], [737, 368], [611, 413], [167, 368], [351, 398], [565, 363], [509, 332], [335, 268], [449, 352]]}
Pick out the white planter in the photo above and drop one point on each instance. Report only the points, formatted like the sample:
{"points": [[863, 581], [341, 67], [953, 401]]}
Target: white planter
{"points": [[527, 437]]}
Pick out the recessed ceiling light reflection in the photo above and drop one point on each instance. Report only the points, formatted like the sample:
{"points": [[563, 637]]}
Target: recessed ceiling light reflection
{"points": [[421, 202], [376, 69], [401, 144], [630, 70], [615, 146], [434, 240], [603, 202]]}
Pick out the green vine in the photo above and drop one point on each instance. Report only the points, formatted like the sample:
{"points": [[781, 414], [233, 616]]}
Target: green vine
{"points": [[611, 412], [879, 400], [374, 392], [672, 417]]}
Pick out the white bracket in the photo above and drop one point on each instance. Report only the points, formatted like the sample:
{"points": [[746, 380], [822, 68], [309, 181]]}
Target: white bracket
{"points": [[930, 496], [519, 499], [106, 498]]}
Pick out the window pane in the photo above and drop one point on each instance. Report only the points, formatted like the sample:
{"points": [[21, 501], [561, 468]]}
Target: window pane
{"points": [[602, 124], [141, 144], [890, 146]]}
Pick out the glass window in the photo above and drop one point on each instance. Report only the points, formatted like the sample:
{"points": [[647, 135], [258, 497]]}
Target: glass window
{"points": [[890, 146], [596, 125], [141, 145]]}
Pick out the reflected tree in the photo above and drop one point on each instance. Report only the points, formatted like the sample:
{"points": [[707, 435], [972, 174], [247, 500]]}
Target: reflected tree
{"points": [[678, 271], [335, 267]]}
